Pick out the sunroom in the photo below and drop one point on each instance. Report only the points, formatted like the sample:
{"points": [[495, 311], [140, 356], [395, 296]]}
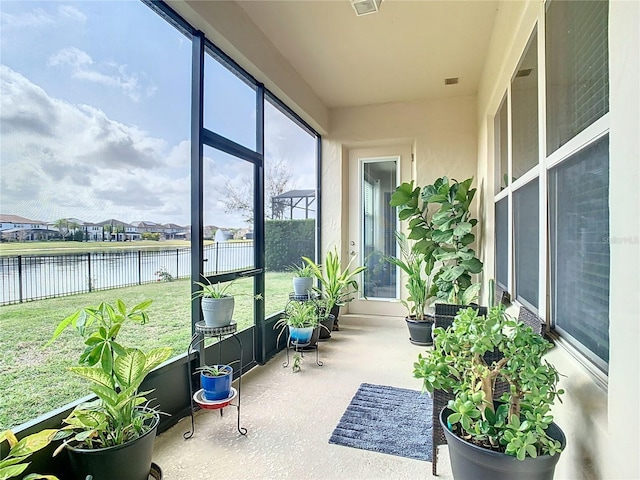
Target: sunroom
{"points": [[536, 100]]}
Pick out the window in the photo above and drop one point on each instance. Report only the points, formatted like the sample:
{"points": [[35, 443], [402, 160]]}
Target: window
{"points": [[577, 68], [524, 112], [571, 244], [526, 227], [579, 230], [502, 243]]}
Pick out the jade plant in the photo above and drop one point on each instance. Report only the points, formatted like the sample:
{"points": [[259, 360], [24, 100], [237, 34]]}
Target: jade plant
{"points": [[471, 358], [440, 223], [115, 373]]}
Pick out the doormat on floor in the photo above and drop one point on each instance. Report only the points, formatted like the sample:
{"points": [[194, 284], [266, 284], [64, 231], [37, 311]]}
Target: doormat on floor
{"points": [[389, 420]]}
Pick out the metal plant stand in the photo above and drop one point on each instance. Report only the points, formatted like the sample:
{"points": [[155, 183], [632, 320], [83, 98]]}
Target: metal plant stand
{"points": [[300, 347], [203, 331]]}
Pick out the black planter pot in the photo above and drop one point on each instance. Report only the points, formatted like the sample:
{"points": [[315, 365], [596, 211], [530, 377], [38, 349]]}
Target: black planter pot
{"points": [[470, 462], [335, 311], [420, 330], [325, 330], [130, 461]]}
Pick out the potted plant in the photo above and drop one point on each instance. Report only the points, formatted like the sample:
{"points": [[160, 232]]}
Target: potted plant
{"points": [[440, 222], [493, 435], [215, 381], [217, 305], [301, 319], [337, 285], [113, 435], [302, 279], [417, 267], [16, 460]]}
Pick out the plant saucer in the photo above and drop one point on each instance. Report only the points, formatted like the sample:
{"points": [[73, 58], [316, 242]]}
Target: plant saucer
{"points": [[198, 397]]}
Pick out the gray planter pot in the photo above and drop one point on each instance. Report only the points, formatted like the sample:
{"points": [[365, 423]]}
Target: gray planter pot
{"points": [[217, 312], [420, 331], [470, 462], [302, 285]]}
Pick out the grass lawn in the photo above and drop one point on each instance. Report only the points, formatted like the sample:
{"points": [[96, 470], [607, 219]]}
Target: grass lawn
{"points": [[34, 380], [47, 248]]}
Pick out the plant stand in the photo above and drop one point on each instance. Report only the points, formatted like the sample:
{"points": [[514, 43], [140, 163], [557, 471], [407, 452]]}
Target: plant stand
{"points": [[197, 344], [301, 347]]}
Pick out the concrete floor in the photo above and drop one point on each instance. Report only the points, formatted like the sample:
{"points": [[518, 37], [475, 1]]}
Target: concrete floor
{"points": [[290, 416]]}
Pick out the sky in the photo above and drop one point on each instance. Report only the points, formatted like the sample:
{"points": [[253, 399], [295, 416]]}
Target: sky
{"points": [[95, 117]]}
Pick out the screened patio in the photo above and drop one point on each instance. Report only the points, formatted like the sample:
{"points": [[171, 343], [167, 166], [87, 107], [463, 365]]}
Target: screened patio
{"points": [[380, 88]]}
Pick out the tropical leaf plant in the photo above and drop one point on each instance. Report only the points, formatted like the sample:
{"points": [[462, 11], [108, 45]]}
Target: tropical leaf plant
{"points": [[16, 461], [115, 373]]}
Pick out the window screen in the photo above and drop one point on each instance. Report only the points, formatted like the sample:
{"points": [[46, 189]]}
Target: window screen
{"points": [[502, 242], [577, 68], [501, 131], [524, 111], [579, 214], [526, 233]]}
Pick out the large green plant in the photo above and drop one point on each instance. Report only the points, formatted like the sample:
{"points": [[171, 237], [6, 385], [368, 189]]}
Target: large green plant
{"points": [[417, 267], [470, 357], [115, 373], [440, 222], [338, 285]]}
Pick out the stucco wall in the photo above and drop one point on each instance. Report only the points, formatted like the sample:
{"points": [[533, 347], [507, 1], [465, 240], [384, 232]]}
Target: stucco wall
{"points": [[601, 423], [442, 133]]}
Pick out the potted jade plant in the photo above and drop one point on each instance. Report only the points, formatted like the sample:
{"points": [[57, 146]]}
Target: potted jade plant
{"points": [[302, 279], [112, 436], [217, 305], [338, 285], [440, 222], [493, 435], [417, 267]]}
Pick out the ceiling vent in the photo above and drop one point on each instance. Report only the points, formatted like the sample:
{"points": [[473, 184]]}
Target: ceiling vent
{"points": [[365, 7], [451, 81]]}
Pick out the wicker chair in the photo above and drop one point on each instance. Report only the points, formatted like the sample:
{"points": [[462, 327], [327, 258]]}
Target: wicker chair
{"points": [[527, 317], [445, 313], [501, 296]]}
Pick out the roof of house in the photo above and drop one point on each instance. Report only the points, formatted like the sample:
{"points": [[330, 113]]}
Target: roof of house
{"points": [[16, 219]]}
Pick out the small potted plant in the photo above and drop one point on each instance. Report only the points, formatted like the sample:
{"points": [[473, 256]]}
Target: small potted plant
{"points": [[302, 279], [338, 285], [491, 434], [217, 305], [113, 435], [417, 267], [301, 319], [215, 381]]}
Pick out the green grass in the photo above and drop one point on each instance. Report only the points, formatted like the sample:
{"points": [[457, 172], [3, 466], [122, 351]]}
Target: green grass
{"points": [[34, 379], [33, 248]]}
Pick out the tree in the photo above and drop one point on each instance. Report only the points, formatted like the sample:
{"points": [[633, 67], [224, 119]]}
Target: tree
{"points": [[238, 196], [62, 225]]}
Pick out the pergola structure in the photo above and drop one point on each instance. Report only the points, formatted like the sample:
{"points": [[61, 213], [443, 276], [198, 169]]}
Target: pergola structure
{"points": [[291, 201]]}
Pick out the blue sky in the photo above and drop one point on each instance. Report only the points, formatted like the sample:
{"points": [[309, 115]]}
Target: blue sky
{"points": [[95, 116]]}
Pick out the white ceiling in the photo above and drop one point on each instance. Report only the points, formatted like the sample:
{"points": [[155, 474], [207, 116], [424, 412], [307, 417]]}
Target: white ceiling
{"points": [[403, 52]]}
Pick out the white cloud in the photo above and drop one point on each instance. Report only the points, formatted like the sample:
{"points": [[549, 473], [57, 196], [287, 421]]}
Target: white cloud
{"points": [[63, 160], [67, 11], [108, 74]]}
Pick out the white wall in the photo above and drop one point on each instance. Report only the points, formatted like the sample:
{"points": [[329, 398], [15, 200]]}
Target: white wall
{"points": [[442, 133], [601, 423]]}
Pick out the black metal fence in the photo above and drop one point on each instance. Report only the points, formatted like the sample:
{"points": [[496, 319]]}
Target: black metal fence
{"points": [[26, 277]]}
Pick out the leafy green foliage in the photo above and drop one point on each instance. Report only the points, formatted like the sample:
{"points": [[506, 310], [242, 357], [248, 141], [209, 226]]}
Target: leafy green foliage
{"points": [[286, 241], [517, 425], [417, 267], [440, 223], [211, 290], [16, 461], [115, 373], [338, 285]]}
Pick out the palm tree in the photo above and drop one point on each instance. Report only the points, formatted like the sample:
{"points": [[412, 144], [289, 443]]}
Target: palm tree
{"points": [[62, 225]]}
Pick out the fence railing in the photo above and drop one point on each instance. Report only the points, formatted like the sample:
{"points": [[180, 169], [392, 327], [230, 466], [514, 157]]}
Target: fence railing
{"points": [[26, 277]]}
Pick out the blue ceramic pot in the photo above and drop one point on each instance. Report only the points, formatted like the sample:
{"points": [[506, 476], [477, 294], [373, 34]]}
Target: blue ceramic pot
{"points": [[300, 334], [217, 388]]}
